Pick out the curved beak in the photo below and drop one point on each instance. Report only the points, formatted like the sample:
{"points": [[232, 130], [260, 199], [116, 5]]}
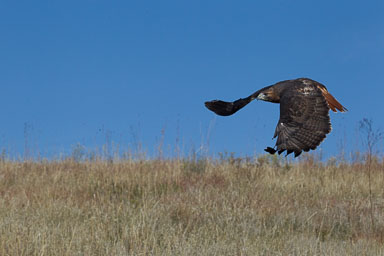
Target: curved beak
{"points": [[261, 96]]}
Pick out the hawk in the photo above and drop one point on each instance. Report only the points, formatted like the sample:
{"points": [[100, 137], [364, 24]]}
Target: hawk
{"points": [[304, 113]]}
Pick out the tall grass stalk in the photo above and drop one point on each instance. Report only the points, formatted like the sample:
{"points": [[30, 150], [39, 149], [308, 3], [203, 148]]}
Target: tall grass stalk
{"points": [[232, 206], [372, 138]]}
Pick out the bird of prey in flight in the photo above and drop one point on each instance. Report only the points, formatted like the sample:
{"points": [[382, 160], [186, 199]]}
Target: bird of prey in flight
{"points": [[304, 113]]}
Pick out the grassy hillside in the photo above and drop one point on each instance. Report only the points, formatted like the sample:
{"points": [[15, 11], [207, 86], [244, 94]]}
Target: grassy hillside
{"points": [[177, 207]]}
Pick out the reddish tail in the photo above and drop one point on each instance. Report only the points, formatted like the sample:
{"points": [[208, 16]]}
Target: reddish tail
{"points": [[332, 102]]}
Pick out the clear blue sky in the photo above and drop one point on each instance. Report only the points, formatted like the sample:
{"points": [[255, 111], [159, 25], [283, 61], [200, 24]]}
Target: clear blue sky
{"points": [[93, 72]]}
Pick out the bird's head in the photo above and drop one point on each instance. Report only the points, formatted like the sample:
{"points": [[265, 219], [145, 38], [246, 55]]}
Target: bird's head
{"points": [[268, 94]]}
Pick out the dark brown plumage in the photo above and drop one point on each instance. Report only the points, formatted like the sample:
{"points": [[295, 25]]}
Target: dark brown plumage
{"points": [[304, 113]]}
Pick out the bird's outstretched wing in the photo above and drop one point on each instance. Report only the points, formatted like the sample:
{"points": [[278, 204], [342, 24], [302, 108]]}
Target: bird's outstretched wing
{"points": [[304, 121], [224, 108]]}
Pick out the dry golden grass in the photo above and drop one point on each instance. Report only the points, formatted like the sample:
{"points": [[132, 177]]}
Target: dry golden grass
{"points": [[175, 207]]}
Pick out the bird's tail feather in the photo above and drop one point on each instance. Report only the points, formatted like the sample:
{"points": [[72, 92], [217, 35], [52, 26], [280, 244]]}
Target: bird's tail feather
{"points": [[332, 102]]}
